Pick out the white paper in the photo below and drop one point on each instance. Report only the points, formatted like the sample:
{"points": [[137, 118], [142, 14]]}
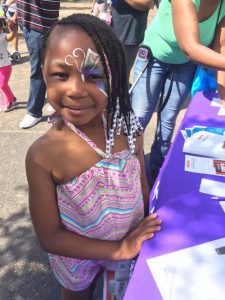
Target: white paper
{"points": [[222, 204], [194, 273], [206, 144], [215, 102], [201, 165], [212, 187], [221, 112], [184, 134]]}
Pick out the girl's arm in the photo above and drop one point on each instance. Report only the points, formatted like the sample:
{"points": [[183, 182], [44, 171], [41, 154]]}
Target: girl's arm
{"points": [[54, 238], [12, 27], [185, 22], [144, 181], [10, 36]]}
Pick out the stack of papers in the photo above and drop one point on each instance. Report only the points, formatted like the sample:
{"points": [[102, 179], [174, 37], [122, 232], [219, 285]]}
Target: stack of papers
{"points": [[205, 141], [209, 144], [189, 131]]}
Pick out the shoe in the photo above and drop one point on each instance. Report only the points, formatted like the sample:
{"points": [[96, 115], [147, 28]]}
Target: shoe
{"points": [[16, 56], [11, 105], [29, 121]]}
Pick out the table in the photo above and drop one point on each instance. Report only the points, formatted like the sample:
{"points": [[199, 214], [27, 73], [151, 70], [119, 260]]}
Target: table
{"points": [[189, 217]]}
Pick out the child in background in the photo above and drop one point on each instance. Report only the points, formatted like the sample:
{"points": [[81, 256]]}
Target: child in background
{"points": [[10, 5], [7, 100], [98, 7], [86, 175]]}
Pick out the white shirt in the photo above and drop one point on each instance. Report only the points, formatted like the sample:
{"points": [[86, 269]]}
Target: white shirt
{"points": [[12, 8], [4, 55]]}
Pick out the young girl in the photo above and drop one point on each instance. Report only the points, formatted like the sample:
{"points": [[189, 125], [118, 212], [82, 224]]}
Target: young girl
{"points": [[86, 175], [7, 99]]}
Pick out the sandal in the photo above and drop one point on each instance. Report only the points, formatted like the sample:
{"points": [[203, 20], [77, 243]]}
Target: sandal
{"points": [[11, 105]]}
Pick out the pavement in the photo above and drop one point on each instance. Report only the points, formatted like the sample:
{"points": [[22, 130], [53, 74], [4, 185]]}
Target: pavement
{"points": [[24, 270]]}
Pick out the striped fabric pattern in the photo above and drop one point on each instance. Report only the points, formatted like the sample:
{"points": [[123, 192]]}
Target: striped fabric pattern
{"points": [[38, 14], [104, 202]]}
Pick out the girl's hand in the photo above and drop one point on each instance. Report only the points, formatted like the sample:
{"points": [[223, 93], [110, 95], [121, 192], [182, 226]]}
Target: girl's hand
{"points": [[132, 243], [11, 25]]}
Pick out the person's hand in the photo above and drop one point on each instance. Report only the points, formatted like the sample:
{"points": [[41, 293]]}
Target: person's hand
{"points": [[132, 243], [11, 25], [5, 5]]}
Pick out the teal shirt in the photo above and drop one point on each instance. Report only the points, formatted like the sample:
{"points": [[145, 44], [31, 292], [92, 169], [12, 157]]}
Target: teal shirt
{"points": [[160, 36]]}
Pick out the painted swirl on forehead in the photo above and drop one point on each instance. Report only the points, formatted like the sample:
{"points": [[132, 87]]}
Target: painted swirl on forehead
{"points": [[72, 59]]}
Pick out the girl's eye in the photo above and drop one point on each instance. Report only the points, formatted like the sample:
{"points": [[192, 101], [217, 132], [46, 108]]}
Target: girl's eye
{"points": [[60, 75]]}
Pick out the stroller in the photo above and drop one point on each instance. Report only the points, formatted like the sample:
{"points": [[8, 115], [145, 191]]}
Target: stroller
{"points": [[16, 57]]}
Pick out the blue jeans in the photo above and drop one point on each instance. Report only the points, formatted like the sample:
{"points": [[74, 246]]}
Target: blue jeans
{"points": [[145, 97], [34, 41]]}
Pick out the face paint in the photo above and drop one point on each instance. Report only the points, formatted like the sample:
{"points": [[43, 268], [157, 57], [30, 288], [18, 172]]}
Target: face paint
{"points": [[93, 71], [71, 60], [90, 67]]}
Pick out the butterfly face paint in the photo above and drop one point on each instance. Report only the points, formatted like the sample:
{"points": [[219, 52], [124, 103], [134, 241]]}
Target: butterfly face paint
{"points": [[93, 71], [90, 67]]}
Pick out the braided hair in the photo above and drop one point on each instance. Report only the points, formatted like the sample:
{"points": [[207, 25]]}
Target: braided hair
{"points": [[111, 54]]}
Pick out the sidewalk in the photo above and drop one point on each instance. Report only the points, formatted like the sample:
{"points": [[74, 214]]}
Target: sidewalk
{"points": [[24, 270]]}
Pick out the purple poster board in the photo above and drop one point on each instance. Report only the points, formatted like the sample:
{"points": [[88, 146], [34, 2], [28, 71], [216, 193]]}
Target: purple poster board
{"points": [[189, 217]]}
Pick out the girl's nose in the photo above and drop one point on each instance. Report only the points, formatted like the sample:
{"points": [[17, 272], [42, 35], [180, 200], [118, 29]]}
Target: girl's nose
{"points": [[77, 87]]}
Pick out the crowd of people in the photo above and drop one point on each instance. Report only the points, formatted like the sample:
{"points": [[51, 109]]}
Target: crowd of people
{"points": [[89, 206]]}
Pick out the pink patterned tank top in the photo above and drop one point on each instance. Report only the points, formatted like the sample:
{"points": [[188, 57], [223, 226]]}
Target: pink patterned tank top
{"points": [[105, 201]]}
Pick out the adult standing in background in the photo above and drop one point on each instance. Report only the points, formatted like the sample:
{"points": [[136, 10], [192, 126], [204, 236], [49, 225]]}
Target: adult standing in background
{"points": [[179, 36], [36, 16], [129, 21]]}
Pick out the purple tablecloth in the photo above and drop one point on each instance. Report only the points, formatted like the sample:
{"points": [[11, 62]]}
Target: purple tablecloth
{"points": [[189, 217]]}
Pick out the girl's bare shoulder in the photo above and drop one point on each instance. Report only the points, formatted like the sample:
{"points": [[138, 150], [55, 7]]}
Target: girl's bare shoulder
{"points": [[46, 146]]}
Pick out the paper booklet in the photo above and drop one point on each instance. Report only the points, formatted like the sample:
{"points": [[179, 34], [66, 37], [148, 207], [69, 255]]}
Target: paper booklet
{"points": [[212, 187], [206, 144], [115, 279], [204, 165], [194, 273], [217, 130]]}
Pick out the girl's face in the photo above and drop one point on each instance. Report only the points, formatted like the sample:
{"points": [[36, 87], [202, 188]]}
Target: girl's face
{"points": [[74, 76]]}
